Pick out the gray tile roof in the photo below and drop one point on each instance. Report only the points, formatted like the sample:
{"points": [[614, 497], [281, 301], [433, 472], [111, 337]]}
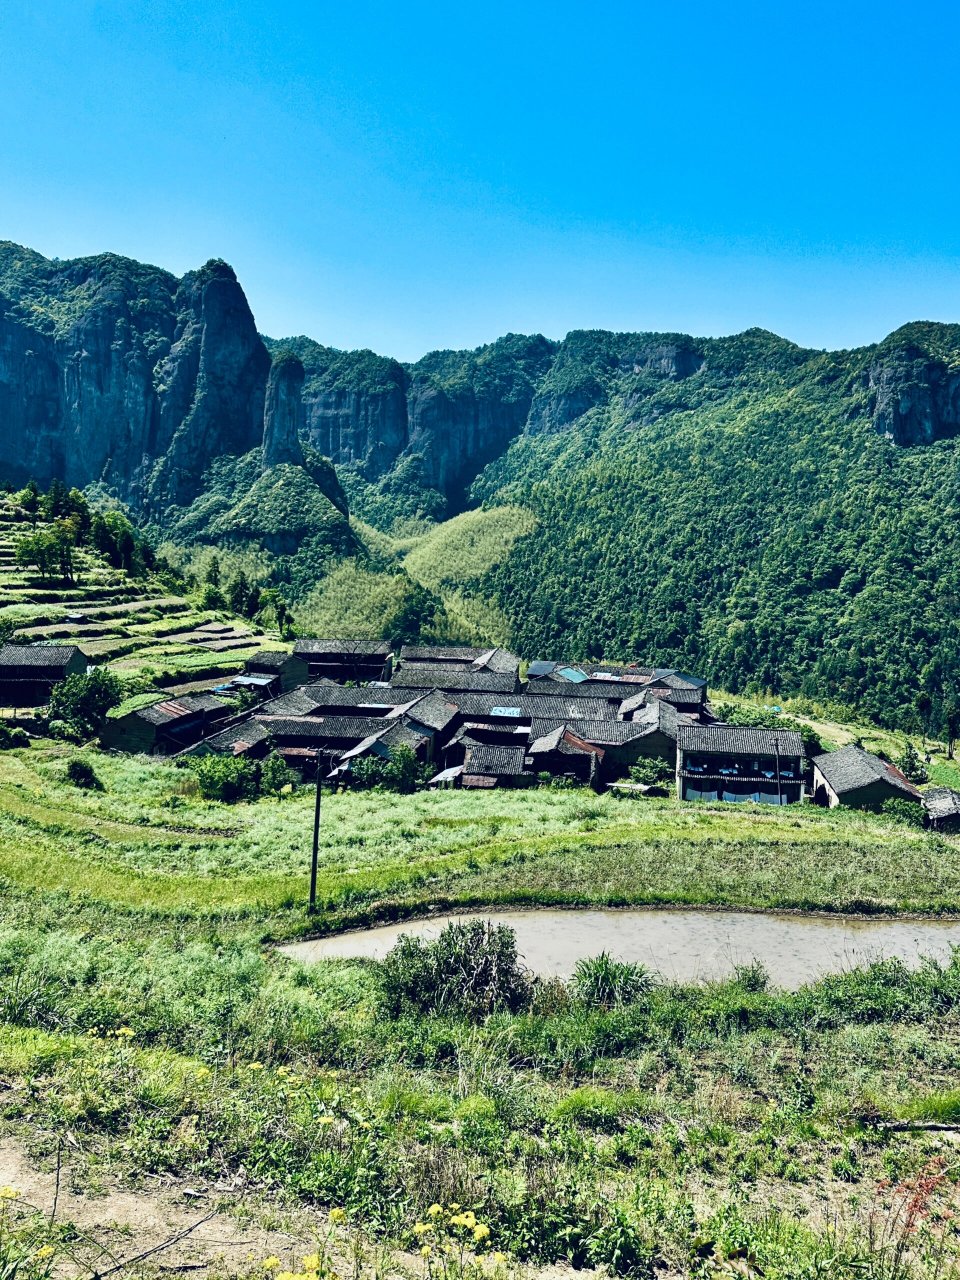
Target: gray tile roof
{"points": [[557, 706], [268, 660], [307, 648], [941, 802], [728, 739], [322, 728], [851, 768], [191, 704], [439, 675], [602, 733], [499, 761], [237, 738], [602, 689], [37, 655]]}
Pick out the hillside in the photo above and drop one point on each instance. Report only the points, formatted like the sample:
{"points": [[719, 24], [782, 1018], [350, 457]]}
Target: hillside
{"points": [[777, 518], [148, 632]]}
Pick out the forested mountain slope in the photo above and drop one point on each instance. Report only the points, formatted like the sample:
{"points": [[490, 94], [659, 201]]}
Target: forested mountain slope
{"points": [[779, 518]]}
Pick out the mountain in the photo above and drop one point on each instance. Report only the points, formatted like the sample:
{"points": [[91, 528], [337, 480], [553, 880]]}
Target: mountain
{"points": [[776, 517]]}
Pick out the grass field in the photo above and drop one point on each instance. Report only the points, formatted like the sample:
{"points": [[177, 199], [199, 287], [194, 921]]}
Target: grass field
{"points": [[140, 1011], [142, 1014]]}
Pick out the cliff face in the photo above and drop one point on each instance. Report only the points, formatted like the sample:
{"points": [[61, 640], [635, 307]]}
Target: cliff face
{"points": [[115, 372], [914, 395], [283, 413], [442, 419]]}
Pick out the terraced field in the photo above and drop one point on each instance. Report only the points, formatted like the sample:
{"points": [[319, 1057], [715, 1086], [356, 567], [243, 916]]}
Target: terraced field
{"points": [[136, 626]]}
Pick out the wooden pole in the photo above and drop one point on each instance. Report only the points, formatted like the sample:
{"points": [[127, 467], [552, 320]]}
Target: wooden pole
{"points": [[316, 840]]}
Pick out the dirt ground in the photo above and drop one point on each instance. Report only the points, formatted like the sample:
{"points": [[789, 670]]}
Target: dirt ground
{"points": [[218, 1230], [219, 1227]]}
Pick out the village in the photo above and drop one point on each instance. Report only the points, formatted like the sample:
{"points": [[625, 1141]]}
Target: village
{"points": [[478, 718]]}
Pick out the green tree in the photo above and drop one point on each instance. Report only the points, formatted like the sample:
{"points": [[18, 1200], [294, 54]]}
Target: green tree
{"points": [[275, 774], [911, 765], [238, 593], [82, 701]]}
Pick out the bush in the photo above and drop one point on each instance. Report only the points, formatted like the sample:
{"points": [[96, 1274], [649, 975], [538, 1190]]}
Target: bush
{"points": [[11, 736], [652, 771], [600, 982], [471, 970], [275, 774], [911, 766], [401, 772], [81, 774], [82, 701], [906, 811], [225, 778]]}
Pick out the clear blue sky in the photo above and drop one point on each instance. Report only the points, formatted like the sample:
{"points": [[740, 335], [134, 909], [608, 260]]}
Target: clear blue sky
{"points": [[405, 176]]}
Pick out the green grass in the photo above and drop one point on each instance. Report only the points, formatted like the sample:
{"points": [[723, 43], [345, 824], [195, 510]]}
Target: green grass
{"points": [[150, 842], [617, 1136]]}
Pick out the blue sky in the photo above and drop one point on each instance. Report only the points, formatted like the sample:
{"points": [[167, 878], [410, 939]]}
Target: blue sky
{"points": [[410, 176]]}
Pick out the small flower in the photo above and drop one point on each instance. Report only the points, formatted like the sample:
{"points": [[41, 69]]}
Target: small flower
{"points": [[45, 1251], [425, 1251], [254, 1066], [435, 1210], [126, 1032], [10, 1193], [422, 1228], [338, 1215], [311, 1262], [325, 1120], [271, 1263], [481, 1232], [499, 1257]]}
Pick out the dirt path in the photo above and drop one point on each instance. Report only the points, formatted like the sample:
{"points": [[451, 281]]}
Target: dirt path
{"points": [[226, 1230]]}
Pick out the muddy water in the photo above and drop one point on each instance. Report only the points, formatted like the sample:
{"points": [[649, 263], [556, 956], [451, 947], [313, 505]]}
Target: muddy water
{"points": [[684, 945]]}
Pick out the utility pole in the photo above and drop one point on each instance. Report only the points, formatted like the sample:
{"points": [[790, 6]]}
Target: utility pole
{"points": [[316, 839]]}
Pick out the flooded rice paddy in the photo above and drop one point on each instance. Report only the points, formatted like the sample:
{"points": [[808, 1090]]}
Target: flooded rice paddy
{"points": [[687, 946]]}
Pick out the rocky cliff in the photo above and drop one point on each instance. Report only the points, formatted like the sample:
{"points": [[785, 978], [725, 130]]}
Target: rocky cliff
{"points": [[118, 373]]}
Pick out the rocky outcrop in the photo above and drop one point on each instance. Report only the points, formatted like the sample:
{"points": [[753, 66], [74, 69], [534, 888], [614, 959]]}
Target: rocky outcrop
{"points": [[283, 413], [118, 373], [914, 397]]}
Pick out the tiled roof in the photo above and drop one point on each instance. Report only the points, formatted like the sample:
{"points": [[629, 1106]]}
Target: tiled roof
{"points": [[585, 688], [36, 655], [190, 704], [942, 802], [438, 675], [268, 660], [729, 739], [343, 648], [322, 728], [434, 709], [557, 706], [605, 733], [851, 768], [499, 761], [237, 739], [441, 653]]}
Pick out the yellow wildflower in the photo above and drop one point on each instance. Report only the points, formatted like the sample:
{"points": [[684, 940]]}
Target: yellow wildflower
{"points": [[425, 1251], [311, 1262], [10, 1193], [126, 1032], [338, 1215], [254, 1066], [271, 1264], [45, 1251], [422, 1228], [499, 1257], [325, 1120], [435, 1210], [481, 1232]]}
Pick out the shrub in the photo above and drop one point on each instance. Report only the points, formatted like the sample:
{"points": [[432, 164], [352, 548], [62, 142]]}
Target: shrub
{"points": [[275, 774], [225, 778], [11, 736], [911, 765], [752, 977], [600, 982], [82, 701], [471, 970], [651, 771], [81, 774], [400, 773], [906, 811]]}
